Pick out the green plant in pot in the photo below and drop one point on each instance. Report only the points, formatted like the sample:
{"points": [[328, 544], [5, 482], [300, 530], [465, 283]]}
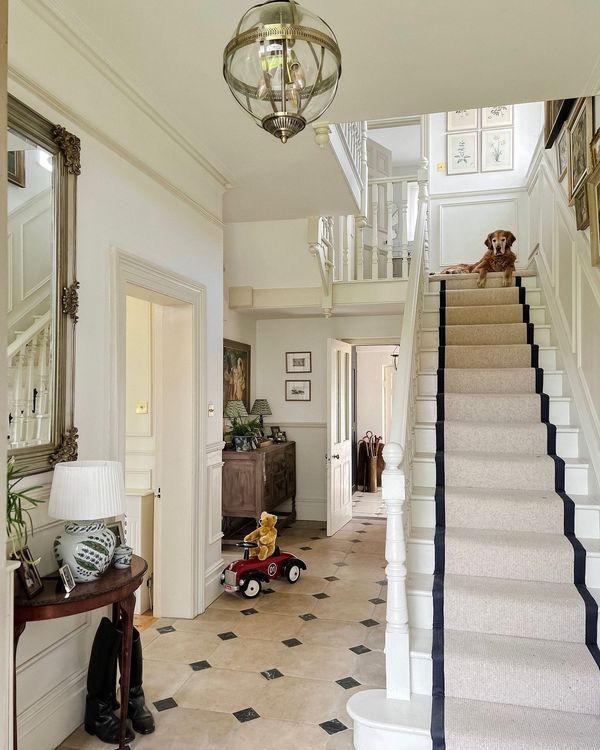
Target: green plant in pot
{"points": [[245, 433], [18, 506]]}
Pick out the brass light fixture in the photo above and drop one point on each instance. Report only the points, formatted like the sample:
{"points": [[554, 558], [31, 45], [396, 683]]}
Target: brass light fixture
{"points": [[283, 65]]}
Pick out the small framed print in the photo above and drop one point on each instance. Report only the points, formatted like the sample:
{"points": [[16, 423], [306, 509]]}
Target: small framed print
{"points": [[582, 216], [496, 150], [463, 153], [117, 529], [461, 119], [16, 168], [297, 390], [593, 191], [595, 147], [562, 154], [28, 573], [66, 576], [298, 362], [498, 116], [275, 428]]}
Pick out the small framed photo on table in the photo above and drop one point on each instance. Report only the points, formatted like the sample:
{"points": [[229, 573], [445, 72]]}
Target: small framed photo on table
{"points": [[297, 390], [28, 573], [117, 529], [66, 576], [298, 362]]}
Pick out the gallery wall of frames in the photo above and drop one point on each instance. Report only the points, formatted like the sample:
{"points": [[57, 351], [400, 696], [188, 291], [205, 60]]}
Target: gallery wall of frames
{"points": [[480, 140]]}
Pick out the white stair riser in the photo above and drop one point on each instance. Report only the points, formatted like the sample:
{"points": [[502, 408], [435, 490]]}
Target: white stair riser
{"points": [[576, 476], [368, 737], [420, 559], [428, 360], [533, 298], [537, 315], [567, 443], [587, 519], [420, 673], [430, 339], [560, 411], [526, 281], [553, 384]]}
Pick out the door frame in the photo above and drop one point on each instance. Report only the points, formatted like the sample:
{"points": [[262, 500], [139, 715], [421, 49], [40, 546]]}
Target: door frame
{"points": [[130, 270]]}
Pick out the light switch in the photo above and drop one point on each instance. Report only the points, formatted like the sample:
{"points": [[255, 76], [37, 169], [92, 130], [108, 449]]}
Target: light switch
{"points": [[141, 407], [211, 410]]}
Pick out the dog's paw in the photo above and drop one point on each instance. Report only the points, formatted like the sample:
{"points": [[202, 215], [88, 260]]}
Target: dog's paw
{"points": [[506, 282], [481, 284]]}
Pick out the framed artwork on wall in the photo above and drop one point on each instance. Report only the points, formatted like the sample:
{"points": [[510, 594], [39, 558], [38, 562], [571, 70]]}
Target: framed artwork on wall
{"points": [[582, 216], [562, 154], [16, 168], [593, 193], [236, 372], [298, 362], [461, 119], [498, 116], [297, 390], [556, 112], [496, 150], [580, 136], [463, 153], [595, 148]]}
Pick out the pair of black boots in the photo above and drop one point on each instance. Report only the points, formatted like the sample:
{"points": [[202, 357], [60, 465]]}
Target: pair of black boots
{"points": [[101, 687]]}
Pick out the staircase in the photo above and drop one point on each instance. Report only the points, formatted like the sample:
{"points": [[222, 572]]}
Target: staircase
{"points": [[503, 554]]}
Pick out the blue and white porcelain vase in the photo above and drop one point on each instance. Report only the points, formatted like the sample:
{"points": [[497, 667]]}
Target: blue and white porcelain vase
{"points": [[87, 547]]}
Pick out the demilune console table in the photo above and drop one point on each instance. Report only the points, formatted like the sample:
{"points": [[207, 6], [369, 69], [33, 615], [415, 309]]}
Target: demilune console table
{"points": [[116, 587]]}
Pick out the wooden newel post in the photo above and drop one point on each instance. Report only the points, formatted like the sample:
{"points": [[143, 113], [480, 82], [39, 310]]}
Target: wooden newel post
{"points": [[397, 646]]}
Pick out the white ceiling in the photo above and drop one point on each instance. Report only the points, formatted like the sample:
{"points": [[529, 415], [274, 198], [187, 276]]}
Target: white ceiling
{"points": [[400, 57], [404, 143]]}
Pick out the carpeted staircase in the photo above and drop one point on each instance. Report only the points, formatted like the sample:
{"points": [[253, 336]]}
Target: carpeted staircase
{"points": [[516, 664]]}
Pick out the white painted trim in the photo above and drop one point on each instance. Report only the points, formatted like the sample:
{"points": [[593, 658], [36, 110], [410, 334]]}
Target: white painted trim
{"points": [[475, 193], [212, 581], [82, 39], [28, 83], [128, 269], [214, 447], [307, 508], [304, 425], [39, 655]]}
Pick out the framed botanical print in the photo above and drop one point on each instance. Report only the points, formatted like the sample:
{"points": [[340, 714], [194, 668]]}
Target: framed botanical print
{"points": [[298, 362], [297, 390], [593, 192], [16, 168], [562, 154], [496, 150], [595, 148], [498, 116], [461, 119], [463, 153], [236, 372], [580, 136], [582, 216]]}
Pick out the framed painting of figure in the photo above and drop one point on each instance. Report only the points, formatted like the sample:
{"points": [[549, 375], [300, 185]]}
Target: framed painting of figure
{"points": [[236, 372], [580, 136]]}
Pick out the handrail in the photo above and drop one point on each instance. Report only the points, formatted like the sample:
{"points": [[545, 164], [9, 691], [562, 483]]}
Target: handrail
{"points": [[394, 180]]}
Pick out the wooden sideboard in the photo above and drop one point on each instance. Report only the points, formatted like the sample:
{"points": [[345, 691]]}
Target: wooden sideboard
{"points": [[260, 480]]}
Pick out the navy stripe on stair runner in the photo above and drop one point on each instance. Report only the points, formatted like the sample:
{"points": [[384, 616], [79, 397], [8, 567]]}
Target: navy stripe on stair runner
{"points": [[437, 650]]}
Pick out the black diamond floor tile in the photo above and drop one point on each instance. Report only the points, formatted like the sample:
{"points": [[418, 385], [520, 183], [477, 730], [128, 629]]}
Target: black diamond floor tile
{"points": [[197, 666], [227, 636], [271, 674], [322, 595], [341, 564], [331, 578], [361, 531], [308, 616], [370, 623], [305, 548], [355, 541], [333, 726], [377, 600], [366, 523], [360, 649], [165, 704], [291, 642], [314, 538], [250, 611], [166, 629], [348, 682], [382, 583], [246, 714], [268, 591]]}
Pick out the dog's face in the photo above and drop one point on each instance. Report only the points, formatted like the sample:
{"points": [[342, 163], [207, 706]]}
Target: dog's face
{"points": [[500, 241]]}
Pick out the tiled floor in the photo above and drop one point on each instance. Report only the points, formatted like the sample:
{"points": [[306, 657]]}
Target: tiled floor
{"points": [[277, 670], [368, 505]]}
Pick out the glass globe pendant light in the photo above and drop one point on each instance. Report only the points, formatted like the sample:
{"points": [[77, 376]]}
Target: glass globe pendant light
{"points": [[283, 65]]}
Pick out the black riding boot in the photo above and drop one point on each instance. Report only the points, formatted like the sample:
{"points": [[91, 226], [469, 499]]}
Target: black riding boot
{"points": [[138, 712], [99, 717]]}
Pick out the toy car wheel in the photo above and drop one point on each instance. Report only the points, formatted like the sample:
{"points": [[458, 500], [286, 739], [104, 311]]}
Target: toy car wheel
{"points": [[293, 573], [251, 588]]}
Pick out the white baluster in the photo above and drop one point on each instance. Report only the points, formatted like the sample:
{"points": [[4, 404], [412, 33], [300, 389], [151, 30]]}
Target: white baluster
{"points": [[397, 647], [404, 227], [375, 231], [423, 180], [359, 246], [30, 382], [41, 410], [345, 247], [390, 206], [18, 399]]}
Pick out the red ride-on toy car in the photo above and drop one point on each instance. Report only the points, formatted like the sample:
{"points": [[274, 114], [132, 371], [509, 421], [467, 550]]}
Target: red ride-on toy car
{"points": [[248, 575]]}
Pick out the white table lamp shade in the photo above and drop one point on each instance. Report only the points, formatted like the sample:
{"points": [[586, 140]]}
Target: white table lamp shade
{"points": [[87, 490]]}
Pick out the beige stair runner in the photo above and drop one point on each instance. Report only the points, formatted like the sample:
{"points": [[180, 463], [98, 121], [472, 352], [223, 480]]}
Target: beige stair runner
{"points": [[515, 655]]}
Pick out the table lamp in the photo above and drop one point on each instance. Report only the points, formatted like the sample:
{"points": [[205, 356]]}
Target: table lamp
{"points": [[90, 492], [235, 409], [261, 408]]}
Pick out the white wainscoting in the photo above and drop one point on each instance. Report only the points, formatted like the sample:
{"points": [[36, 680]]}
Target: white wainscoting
{"points": [[571, 289], [214, 559], [460, 222]]}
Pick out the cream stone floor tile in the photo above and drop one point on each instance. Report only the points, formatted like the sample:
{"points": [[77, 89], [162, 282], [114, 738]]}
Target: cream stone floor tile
{"points": [[287, 604], [272, 734], [313, 660], [335, 633], [81, 740], [338, 608], [369, 547], [340, 741], [219, 689], [250, 654], [147, 636], [297, 699], [321, 555], [362, 572], [182, 647], [306, 584], [267, 626], [163, 679], [219, 621], [231, 602], [370, 669], [187, 729], [375, 638], [380, 612], [354, 590]]}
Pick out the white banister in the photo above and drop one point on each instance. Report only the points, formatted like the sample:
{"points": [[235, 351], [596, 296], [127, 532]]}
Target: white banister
{"points": [[396, 480], [404, 228], [375, 231], [390, 208]]}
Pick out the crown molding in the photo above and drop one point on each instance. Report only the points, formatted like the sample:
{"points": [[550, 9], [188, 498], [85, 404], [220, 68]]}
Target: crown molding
{"points": [[81, 38], [56, 104], [394, 122]]}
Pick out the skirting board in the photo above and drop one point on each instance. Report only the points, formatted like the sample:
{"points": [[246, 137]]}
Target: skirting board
{"points": [[307, 509], [212, 582]]}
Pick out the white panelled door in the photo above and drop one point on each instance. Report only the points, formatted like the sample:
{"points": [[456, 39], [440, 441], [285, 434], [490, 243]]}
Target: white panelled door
{"points": [[339, 444]]}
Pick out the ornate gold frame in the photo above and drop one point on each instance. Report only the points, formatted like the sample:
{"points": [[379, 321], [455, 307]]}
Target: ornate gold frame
{"points": [[65, 148]]}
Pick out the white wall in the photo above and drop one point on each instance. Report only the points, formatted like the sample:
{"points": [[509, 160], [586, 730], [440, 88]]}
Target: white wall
{"points": [[306, 422], [465, 208], [141, 192], [370, 363]]}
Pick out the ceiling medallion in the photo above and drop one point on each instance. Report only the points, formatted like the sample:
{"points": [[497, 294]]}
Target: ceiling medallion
{"points": [[283, 66]]}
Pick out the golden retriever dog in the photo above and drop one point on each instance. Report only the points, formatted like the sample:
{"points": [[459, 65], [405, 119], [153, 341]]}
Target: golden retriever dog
{"points": [[499, 257]]}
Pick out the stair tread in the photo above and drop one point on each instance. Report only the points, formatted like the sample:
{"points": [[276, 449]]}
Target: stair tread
{"points": [[428, 493], [425, 535], [495, 289], [514, 457], [537, 326], [499, 425], [557, 399]]}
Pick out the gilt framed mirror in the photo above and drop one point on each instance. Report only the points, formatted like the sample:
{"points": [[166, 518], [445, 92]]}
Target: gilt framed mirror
{"points": [[43, 161]]}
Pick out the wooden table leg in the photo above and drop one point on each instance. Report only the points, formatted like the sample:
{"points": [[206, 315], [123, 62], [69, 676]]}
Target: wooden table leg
{"points": [[18, 628], [126, 608]]}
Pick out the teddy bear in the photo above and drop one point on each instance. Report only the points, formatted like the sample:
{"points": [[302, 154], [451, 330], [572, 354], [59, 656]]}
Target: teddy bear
{"points": [[265, 534]]}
